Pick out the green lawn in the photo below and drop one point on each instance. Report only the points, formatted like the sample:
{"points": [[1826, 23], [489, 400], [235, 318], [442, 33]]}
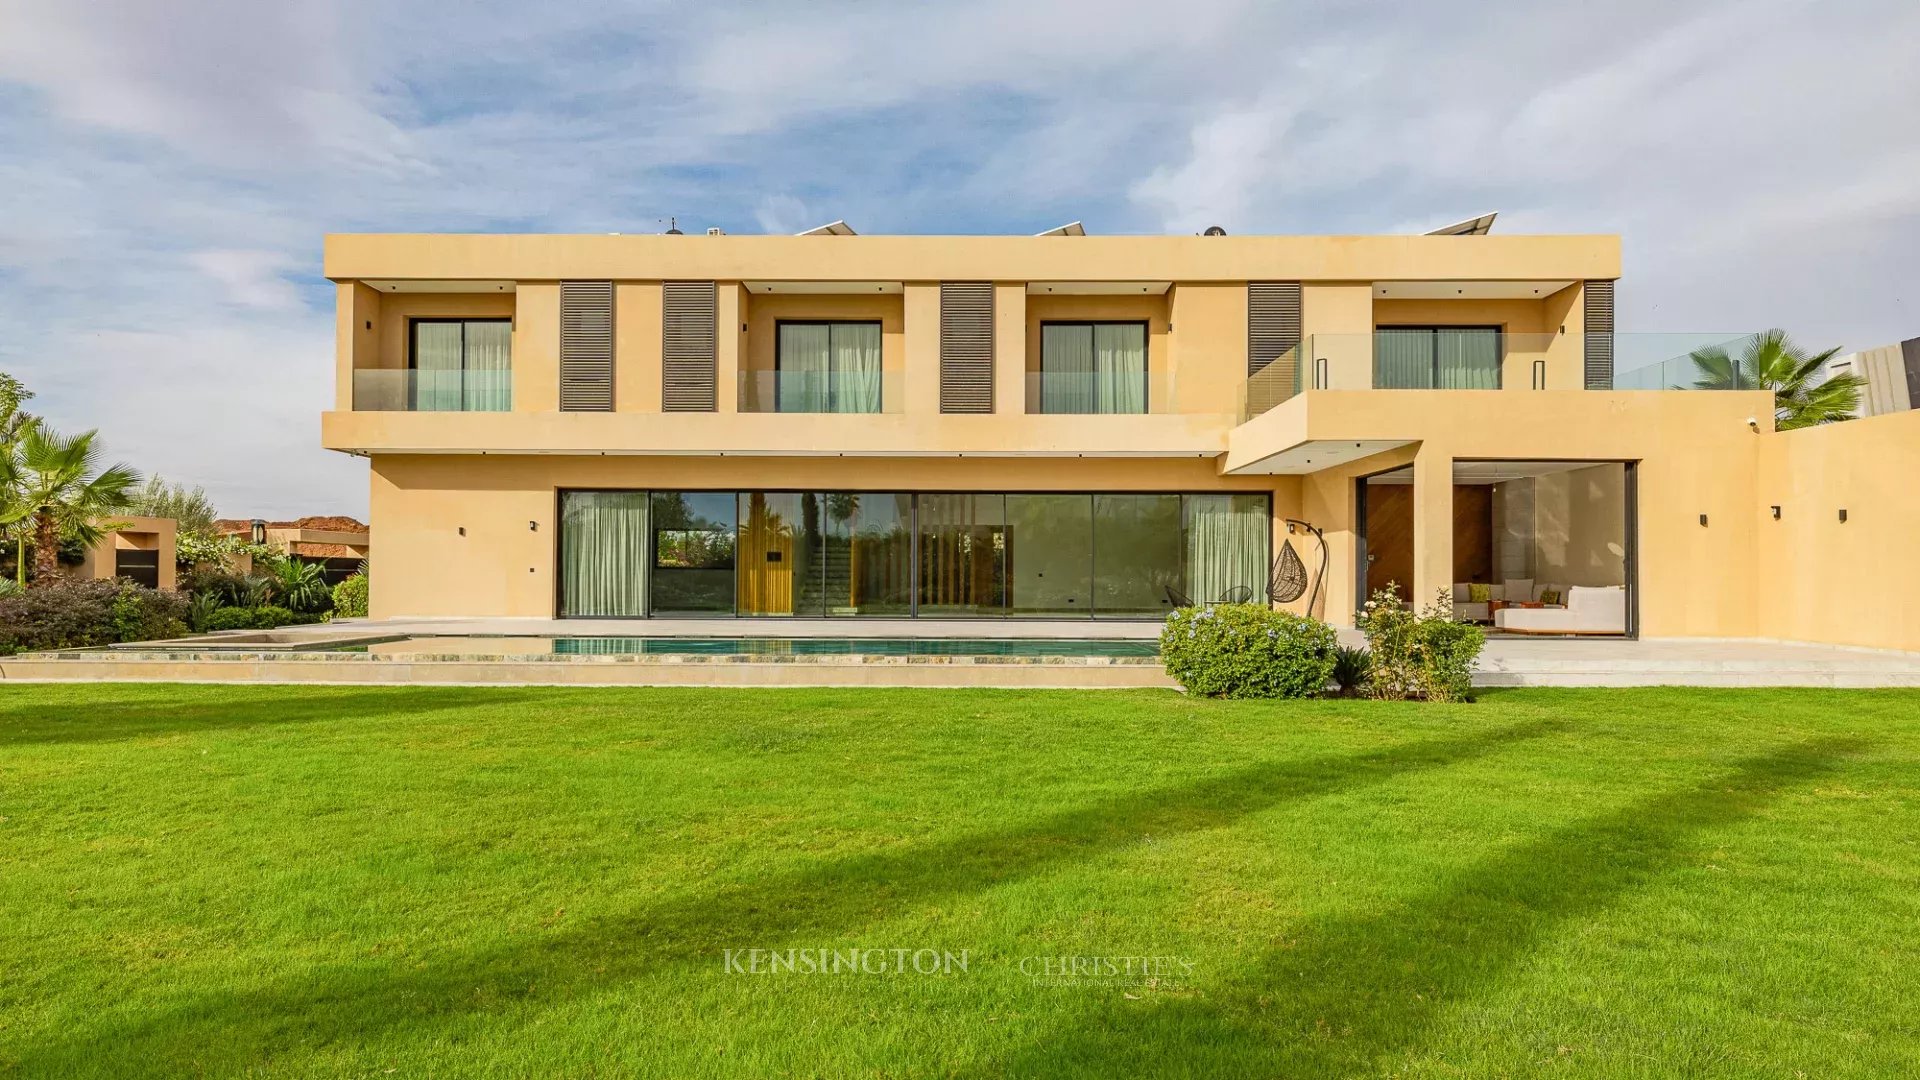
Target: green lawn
{"points": [[434, 882]]}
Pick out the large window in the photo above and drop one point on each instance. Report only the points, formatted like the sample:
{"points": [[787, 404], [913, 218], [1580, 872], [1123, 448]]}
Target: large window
{"points": [[1436, 358], [1093, 367], [693, 546], [830, 367], [461, 365], [827, 554]]}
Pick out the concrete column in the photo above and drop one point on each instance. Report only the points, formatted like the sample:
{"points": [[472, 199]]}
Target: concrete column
{"points": [[1432, 523], [921, 311], [1010, 348], [730, 343], [356, 337], [536, 347], [637, 346]]}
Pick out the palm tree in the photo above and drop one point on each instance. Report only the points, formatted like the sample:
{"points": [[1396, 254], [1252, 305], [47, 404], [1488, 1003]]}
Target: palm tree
{"points": [[1771, 361], [57, 483]]}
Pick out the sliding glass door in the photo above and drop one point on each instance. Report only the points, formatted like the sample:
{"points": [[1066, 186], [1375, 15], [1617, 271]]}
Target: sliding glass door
{"points": [[461, 365], [1436, 358], [603, 553], [963, 549], [693, 553], [1093, 367], [828, 367], [1227, 542]]}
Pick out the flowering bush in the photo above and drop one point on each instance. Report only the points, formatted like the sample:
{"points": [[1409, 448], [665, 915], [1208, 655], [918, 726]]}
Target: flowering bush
{"points": [[80, 614], [1247, 651], [350, 597], [1419, 654]]}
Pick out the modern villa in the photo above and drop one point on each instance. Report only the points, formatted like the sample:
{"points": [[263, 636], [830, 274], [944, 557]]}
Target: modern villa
{"points": [[1066, 426]]}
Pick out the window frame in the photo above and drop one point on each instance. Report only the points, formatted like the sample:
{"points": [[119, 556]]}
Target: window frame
{"points": [[1432, 330], [413, 347], [779, 357], [1146, 359]]}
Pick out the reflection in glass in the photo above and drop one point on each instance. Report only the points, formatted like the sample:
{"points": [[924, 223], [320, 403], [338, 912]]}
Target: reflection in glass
{"points": [[778, 554], [963, 555], [603, 553], [693, 544], [868, 553], [1136, 544], [1050, 554]]}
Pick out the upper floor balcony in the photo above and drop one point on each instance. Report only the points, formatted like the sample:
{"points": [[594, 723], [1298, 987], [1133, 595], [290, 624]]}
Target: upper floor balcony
{"points": [[1489, 358]]}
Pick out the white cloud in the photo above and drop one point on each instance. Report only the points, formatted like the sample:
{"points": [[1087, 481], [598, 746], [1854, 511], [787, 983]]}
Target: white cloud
{"points": [[170, 169]]}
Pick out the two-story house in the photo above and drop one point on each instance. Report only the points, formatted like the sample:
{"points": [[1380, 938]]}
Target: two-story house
{"points": [[1065, 426]]}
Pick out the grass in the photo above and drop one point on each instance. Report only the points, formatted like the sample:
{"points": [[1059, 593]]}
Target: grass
{"points": [[433, 882]]}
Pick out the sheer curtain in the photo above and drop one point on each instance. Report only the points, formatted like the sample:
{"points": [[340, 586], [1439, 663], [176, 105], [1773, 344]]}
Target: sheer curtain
{"points": [[1403, 359], [1066, 369], [855, 368], [1120, 367], [805, 350], [488, 382], [436, 366], [603, 553], [1226, 541], [1468, 359]]}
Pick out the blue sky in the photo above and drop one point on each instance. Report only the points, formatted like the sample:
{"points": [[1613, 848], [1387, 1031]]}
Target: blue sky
{"points": [[167, 170]]}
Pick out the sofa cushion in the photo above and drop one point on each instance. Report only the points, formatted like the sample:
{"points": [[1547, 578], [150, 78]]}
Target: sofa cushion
{"points": [[1519, 590], [1479, 593]]}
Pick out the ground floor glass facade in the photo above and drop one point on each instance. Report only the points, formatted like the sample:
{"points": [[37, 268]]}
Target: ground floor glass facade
{"points": [[942, 555]]}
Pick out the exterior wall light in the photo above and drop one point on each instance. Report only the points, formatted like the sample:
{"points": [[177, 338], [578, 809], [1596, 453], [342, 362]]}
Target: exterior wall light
{"points": [[1776, 513], [533, 526], [1843, 515], [1703, 521], [259, 531]]}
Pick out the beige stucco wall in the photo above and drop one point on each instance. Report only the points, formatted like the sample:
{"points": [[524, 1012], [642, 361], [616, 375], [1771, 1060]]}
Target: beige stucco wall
{"points": [[504, 565], [1818, 579]]}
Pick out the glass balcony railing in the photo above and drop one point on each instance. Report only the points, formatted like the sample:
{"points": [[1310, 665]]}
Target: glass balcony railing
{"points": [[1081, 393], [820, 392], [404, 390], [1466, 358]]}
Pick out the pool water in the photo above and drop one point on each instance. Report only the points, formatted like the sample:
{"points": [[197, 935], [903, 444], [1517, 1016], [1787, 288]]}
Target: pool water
{"points": [[719, 646]]}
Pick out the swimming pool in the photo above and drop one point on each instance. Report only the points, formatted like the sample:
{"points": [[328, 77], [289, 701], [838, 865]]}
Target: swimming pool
{"points": [[739, 646]]}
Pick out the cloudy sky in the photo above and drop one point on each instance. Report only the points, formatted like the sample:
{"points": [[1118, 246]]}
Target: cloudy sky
{"points": [[167, 169]]}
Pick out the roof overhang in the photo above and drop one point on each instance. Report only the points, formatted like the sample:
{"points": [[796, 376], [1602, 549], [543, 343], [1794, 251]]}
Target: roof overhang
{"points": [[1098, 288], [822, 288], [1467, 290], [411, 285]]}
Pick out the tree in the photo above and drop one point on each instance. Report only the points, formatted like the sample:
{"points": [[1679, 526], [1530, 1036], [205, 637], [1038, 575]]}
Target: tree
{"points": [[61, 489], [14, 422], [13, 419], [190, 507], [1771, 361]]}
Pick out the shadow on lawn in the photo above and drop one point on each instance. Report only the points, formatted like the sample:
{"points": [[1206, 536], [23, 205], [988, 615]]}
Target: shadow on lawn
{"points": [[1355, 995], [136, 717], [352, 1002]]}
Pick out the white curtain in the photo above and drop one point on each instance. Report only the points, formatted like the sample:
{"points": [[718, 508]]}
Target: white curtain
{"points": [[436, 366], [1226, 540], [488, 383], [1468, 359], [603, 553], [1066, 369], [1120, 367], [1403, 360], [805, 350], [855, 368]]}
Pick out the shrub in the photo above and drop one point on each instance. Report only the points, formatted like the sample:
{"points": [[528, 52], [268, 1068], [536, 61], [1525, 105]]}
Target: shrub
{"points": [[230, 618], [215, 581], [200, 609], [1419, 654], [63, 615], [143, 614], [1351, 669], [1247, 651], [350, 597], [301, 586]]}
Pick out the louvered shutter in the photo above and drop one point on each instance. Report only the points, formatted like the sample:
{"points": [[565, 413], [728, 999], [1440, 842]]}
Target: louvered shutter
{"points": [[1599, 335], [1273, 322], [690, 362], [586, 346], [966, 347]]}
